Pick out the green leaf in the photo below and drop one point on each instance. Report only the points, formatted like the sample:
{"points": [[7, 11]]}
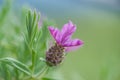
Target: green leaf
{"points": [[5, 71], [48, 79], [32, 20], [16, 64], [5, 11]]}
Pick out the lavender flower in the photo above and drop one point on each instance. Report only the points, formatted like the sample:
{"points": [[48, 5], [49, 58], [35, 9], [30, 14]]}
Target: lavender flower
{"points": [[55, 54]]}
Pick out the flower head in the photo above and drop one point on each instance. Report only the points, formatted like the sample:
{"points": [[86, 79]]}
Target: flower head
{"points": [[63, 41]]}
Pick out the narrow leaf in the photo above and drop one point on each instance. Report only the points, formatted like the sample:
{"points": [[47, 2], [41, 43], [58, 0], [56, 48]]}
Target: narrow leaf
{"points": [[16, 64], [48, 79]]}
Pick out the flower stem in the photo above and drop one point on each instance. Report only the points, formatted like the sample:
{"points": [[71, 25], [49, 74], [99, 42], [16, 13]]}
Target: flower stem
{"points": [[33, 61], [42, 72]]}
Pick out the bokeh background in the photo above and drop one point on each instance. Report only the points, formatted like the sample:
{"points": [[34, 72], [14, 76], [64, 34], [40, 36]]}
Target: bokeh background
{"points": [[98, 25]]}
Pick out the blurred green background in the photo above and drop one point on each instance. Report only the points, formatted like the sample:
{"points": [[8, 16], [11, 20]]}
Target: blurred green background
{"points": [[98, 25]]}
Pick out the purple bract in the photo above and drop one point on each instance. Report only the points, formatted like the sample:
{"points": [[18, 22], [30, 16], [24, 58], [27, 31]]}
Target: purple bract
{"points": [[63, 37]]}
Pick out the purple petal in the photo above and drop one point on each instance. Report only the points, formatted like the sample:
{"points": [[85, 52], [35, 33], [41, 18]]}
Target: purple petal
{"points": [[55, 33], [67, 31], [71, 43], [68, 49]]}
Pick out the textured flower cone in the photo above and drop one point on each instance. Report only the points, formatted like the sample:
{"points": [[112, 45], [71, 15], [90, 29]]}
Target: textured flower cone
{"points": [[55, 55]]}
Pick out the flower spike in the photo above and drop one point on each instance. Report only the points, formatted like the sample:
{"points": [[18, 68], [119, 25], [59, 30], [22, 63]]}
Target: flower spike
{"points": [[55, 54]]}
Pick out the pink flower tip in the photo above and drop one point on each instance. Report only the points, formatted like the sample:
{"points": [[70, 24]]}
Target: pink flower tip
{"points": [[80, 42]]}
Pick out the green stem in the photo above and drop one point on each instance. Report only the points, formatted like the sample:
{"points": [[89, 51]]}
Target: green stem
{"points": [[42, 72], [33, 60]]}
